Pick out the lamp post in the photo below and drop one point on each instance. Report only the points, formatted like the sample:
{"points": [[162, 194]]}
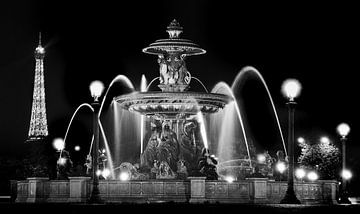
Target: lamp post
{"points": [[96, 89], [59, 145], [291, 89], [343, 130]]}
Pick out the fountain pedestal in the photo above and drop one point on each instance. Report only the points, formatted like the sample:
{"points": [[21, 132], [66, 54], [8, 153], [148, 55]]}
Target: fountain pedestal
{"points": [[79, 191], [197, 186], [258, 190], [36, 189]]}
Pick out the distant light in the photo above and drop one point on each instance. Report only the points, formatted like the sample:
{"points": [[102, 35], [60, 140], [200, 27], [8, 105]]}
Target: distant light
{"points": [[346, 174], [300, 173], [325, 140], [280, 166], [291, 88], [261, 158], [77, 148], [40, 49], [98, 172], [105, 173], [96, 89], [61, 161], [229, 179], [124, 176], [103, 151], [343, 129], [58, 144], [312, 176], [301, 140]]}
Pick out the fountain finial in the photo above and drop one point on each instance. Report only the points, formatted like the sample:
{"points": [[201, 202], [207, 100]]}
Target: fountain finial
{"points": [[174, 29]]}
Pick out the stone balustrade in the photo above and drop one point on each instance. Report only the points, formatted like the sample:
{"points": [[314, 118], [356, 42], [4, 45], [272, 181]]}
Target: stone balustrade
{"points": [[193, 190]]}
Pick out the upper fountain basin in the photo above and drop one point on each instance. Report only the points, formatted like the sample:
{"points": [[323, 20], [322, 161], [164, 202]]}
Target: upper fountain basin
{"points": [[172, 104]]}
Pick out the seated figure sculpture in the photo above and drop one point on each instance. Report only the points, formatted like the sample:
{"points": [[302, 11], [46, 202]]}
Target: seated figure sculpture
{"points": [[168, 147], [150, 153], [165, 171], [181, 170], [189, 150], [207, 165]]}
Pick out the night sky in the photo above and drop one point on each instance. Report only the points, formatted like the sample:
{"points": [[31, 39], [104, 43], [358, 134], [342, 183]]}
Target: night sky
{"points": [[316, 44]]}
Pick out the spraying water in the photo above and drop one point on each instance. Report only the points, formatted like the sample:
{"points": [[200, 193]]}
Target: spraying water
{"points": [[237, 82], [119, 78], [143, 88], [151, 82], [72, 118], [220, 87]]}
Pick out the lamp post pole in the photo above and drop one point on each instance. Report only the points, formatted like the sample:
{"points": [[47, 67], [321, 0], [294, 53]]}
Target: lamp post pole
{"points": [[290, 197], [343, 130], [344, 195], [96, 88], [95, 193], [291, 89]]}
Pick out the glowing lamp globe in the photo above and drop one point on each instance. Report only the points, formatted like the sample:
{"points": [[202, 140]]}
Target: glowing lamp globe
{"points": [[96, 89], [312, 176], [280, 167], [343, 129], [301, 140], [61, 161], [77, 148], [105, 173], [261, 158], [346, 174], [291, 88], [229, 179], [324, 140], [124, 176], [59, 144], [300, 173]]}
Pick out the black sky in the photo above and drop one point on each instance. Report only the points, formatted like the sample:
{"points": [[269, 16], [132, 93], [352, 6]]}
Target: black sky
{"points": [[317, 44]]}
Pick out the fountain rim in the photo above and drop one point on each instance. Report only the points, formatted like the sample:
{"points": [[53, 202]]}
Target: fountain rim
{"points": [[212, 101], [174, 45]]}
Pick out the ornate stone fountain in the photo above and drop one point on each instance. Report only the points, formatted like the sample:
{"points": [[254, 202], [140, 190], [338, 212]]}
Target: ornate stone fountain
{"points": [[174, 110]]}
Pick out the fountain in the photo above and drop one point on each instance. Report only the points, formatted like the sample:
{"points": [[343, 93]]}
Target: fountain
{"points": [[175, 112], [174, 144]]}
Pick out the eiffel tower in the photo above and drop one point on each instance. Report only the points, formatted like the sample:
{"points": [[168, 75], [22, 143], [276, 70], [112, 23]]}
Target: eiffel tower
{"points": [[38, 124]]}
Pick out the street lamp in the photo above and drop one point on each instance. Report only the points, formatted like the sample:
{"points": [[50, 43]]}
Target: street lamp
{"points": [[325, 140], [300, 173], [312, 176], [96, 89], [291, 88], [343, 130], [301, 140]]}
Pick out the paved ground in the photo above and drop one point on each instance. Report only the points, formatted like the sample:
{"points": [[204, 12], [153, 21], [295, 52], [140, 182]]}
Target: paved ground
{"points": [[170, 208]]}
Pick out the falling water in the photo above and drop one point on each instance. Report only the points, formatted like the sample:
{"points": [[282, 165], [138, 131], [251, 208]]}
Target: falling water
{"points": [[218, 89], [238, 81], [110, 162], [143, 88], [72, 118], [200, 119], [199, 81], [121, 79], [151, 82]]}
